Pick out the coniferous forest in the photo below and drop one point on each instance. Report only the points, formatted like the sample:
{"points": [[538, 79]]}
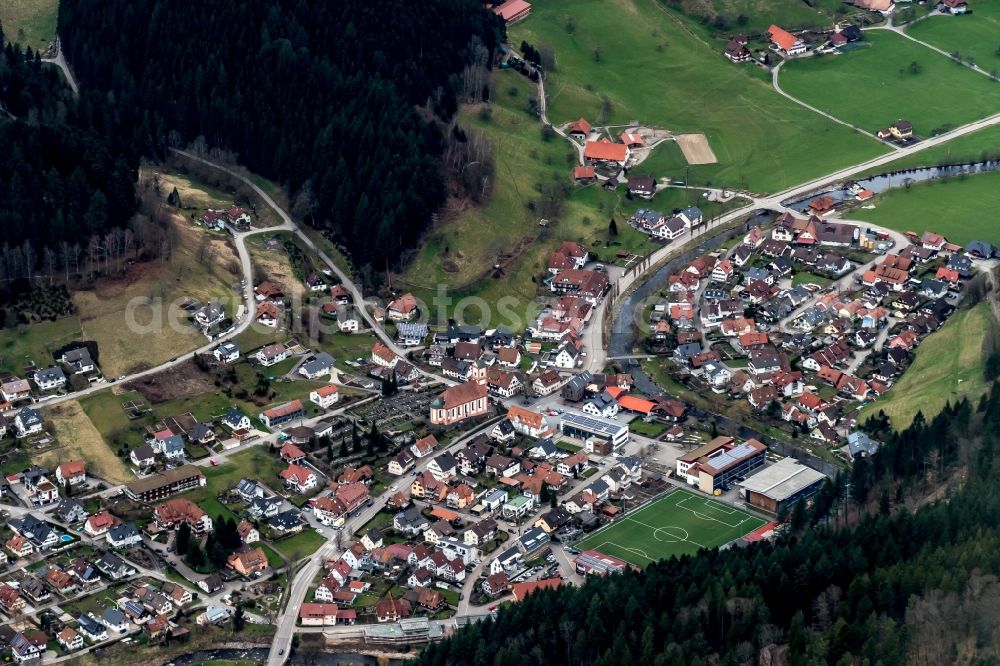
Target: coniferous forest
{"points": [[897, 586], [341, 102], [65, 176]]}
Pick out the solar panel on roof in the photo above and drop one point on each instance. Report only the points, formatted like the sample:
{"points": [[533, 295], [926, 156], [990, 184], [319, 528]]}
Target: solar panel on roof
{"points": [[731, 456], [591, 423]]}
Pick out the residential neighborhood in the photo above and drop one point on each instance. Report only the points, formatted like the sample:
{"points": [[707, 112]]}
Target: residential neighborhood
{"points": [[566, 300]]}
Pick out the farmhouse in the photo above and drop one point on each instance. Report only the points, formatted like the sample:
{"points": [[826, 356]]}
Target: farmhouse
{"points": [[584, 174], [513, 11], [403, 308], [632, 139], [642, 186], [953, 7], [580, 129], [607, 153], [785, 42], [737, 51]]}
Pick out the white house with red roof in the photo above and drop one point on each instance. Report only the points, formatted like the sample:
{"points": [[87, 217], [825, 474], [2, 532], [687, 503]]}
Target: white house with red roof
{"points": [[73, 472], [325, 396], [299, 478], [383, 356], [403, 308], [785, 42]]}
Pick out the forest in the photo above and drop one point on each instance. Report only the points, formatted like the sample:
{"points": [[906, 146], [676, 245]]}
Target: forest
{"points": [[66, 182], [894, 563], [346, 105]]}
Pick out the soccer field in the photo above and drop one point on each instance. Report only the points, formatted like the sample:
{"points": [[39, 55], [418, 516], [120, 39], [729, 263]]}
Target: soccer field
{"points": [[680, 523]]}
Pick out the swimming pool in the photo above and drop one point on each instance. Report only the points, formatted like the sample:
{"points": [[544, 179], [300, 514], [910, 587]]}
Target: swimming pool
{"points": [[65, 538]]}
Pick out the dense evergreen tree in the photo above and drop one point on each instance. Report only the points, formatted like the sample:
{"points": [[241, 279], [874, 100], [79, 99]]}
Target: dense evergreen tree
{"points": [[331, 99], [182, 538], [66, 176], [883, 591]]}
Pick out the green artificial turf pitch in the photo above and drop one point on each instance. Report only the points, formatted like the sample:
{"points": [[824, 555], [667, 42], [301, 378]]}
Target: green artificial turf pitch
{"points": [[679, 523]]}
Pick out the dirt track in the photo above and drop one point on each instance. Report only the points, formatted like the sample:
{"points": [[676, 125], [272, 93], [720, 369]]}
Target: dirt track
{"points": [[696, 149]]}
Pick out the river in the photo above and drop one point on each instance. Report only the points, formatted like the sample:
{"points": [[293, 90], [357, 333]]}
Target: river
{"points": [[887, 181], [623, 342], [259, 655]]}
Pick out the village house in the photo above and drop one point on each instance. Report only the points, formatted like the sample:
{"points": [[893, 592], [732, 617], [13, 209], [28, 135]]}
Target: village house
{"points": [[73, 472], [271, 354], [325, 396], [299, 479], [403, 308], [247, 561]]}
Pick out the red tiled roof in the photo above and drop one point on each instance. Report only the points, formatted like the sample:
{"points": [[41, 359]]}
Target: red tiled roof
{"points": [[462, 394], [282, 410], [784, 39], [605, 150], [636, 404], [512, 9]]}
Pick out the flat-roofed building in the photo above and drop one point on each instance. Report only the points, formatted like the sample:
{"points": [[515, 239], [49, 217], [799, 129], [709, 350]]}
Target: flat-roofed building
{"points": [[594, 430], [781, 485], [720, 463], [158, 486]]}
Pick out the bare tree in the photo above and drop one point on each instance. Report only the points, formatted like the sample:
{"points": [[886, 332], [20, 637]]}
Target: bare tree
{"points": [[30, 257], [64, 254], [50, 263]]}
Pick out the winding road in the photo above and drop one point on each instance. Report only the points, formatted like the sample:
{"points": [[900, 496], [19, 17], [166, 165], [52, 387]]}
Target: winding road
{"points": [[301, 582], [777, 88]]}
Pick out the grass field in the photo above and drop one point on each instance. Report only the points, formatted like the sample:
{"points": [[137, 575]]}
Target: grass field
{"points": [[805, 277], [79, 439], [274, 264], [974, 35], [104, 409], [754, 16], [102, 310], [680, 523], [213, 405], [961, 208], [30, 22], [303, 544], [873, 86], [461, 252], [36, 343], [652, 70], [948, 365]]}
